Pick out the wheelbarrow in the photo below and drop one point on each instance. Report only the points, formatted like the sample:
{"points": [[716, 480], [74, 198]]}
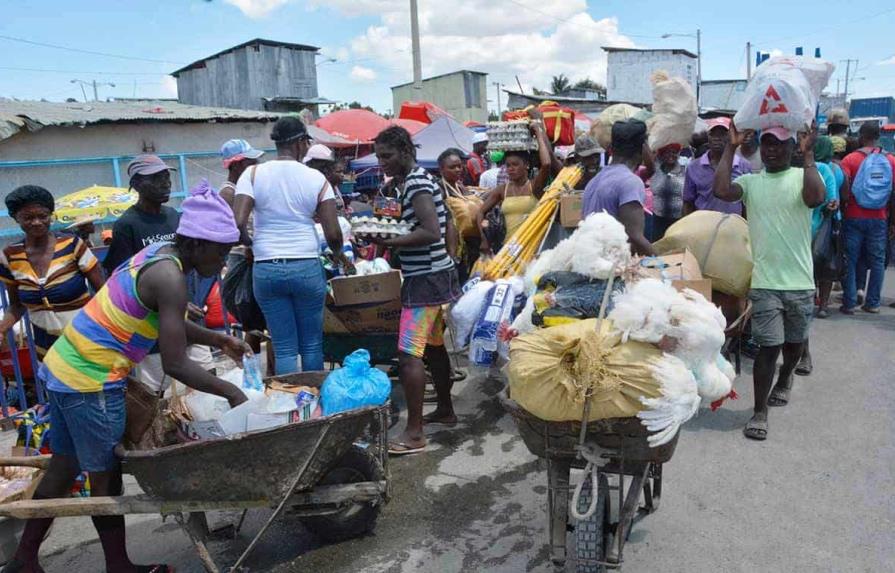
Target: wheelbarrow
{"points": [[620, 449], [312, 468]]}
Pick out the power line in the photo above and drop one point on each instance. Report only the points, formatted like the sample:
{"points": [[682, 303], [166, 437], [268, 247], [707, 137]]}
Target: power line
{"points": [[91, 52], [82, 72]]}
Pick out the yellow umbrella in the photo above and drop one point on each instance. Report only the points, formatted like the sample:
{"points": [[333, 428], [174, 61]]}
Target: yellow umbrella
{"points": [[96, 201]]}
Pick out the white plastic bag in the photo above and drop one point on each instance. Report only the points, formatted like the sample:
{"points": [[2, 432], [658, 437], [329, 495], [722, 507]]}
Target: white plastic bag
{"points": [[674, 111], [466, 311], [783, 93]]}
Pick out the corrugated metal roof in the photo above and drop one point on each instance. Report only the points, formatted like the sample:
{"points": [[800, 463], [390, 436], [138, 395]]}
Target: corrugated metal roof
{"points": [[34, 115], [255, 42]]}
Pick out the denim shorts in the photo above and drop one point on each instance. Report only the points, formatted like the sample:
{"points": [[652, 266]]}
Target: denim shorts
{"points": [[780, 316], [87, 426]]}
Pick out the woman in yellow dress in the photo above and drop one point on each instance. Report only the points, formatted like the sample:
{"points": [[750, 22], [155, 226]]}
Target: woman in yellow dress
{"points": [[519, 196]]}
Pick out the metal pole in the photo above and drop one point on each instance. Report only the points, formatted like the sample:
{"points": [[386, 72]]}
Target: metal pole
{"points": [[748, 61], [83, 91], [415, 42], [698, 65], [845, 98], [95, 92]]}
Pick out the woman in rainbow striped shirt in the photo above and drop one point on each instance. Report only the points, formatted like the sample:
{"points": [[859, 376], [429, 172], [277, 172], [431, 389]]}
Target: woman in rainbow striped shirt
{"points": [[86, 369]]}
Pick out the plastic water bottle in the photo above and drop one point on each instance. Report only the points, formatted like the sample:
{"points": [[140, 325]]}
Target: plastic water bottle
{"points": [[251, 373]]}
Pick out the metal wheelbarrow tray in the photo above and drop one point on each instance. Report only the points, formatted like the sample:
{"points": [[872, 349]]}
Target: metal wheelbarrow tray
{"points": [[622, 445], [312, 467]]}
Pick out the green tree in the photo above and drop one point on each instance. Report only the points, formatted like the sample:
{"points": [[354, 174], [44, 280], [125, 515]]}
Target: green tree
{"points": [[589, 84], [559, 84]]}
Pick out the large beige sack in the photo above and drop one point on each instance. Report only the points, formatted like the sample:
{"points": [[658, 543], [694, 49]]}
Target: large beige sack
{"points": [[551, 370], [720, 243], [601, 128]]}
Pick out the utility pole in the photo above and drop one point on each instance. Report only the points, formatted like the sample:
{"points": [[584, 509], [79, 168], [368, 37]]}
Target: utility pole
{"points": [[94, 85], [847, 75], [748, 61], [497, 84], [698, 65], [415, 43]]}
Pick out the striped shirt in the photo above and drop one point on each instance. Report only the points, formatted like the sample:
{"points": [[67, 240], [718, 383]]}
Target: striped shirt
{"points": [[51, 300], [109, 336], [416, 261]]}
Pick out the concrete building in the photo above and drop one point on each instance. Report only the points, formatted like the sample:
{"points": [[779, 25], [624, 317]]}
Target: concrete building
{"points": [[66, 147], [463, 94], [629, 70], [260, 75], [585, 105], [724, 95]]}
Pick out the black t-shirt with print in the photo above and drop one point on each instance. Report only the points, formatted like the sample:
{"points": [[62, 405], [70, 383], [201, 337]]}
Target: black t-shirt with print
{"points": [[135, 230]]}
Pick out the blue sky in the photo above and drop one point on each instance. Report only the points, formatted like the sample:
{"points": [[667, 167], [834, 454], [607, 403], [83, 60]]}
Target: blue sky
{"points": [[369, 39]]}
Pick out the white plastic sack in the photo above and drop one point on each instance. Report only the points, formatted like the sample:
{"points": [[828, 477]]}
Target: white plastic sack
{"points": [[466, 311], [783, 93], [674, 112]]}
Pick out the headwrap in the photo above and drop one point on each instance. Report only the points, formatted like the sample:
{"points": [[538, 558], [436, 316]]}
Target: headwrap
{"points": [[823, 149], [207, 216], [839, 143]]}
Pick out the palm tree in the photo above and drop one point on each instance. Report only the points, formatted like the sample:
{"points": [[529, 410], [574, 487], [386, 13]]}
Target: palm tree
{"points": [[559, 84]]}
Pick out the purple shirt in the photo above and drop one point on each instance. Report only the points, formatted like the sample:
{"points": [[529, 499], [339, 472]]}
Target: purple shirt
{"points": [[700, 179], [614, 186]]}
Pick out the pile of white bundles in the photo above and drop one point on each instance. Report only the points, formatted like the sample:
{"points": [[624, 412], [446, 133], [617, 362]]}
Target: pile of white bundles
{"points": [[783, 92], [375, 267], [690, 330]]}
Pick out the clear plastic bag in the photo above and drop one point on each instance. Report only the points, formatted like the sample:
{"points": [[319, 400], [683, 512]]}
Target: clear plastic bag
{"points": [[355, 385]]}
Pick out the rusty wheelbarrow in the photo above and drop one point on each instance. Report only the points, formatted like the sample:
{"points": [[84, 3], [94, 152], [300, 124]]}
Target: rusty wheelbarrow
{"points": [[313, 468]]}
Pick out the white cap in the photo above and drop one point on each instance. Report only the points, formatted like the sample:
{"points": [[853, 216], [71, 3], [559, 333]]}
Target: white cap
{"points": [[319, 151], [480, 137]]}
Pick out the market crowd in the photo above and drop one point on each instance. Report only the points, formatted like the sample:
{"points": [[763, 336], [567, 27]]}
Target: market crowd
{"points": [[150, 311]]}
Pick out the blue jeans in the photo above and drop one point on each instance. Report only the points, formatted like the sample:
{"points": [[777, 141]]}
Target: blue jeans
{"points": [[291, 294], [87, 427], [867, 237]]}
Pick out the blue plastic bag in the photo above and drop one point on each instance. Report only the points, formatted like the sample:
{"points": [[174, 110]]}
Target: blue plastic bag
{"points": [[355, 385]]}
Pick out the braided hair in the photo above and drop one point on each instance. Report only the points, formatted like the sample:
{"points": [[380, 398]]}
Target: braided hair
{"points": [[447, 153], [397, 137]]}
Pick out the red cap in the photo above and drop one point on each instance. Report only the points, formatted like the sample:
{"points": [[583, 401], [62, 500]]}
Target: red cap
{"points": [[780, 133], [717, 122]]}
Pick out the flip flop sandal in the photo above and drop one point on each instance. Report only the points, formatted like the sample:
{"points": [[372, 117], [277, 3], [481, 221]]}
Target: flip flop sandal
{"points": [[402, 449], [756, 430], [458, 375], [779, 397], [427, 422]]}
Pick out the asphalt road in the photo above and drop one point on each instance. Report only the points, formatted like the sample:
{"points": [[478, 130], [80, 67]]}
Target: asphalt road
{"points": [[816, 496]]}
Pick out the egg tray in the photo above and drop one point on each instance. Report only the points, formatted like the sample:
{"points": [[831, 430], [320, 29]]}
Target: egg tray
{"points": [[381, 227]]}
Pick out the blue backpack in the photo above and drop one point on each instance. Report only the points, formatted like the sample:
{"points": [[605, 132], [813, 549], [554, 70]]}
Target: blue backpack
{"points": [[873, 183]]}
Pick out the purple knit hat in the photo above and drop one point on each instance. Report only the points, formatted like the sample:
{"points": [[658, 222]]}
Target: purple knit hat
{"points": [[207, 216]]}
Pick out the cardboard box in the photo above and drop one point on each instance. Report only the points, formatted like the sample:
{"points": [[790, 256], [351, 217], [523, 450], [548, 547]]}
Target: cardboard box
{"points": [[682, 269], [331, 323], [570, 209], [383, 287], [379, 318]]}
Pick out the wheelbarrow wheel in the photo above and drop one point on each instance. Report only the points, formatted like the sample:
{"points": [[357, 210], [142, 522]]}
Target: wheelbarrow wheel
{"points": [[591, 533], [352, 519]]}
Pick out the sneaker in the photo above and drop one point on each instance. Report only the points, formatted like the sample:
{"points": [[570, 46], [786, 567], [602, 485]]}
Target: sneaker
{"points": [[845, 310], [822, 313], [860, 296], [870, 309]]}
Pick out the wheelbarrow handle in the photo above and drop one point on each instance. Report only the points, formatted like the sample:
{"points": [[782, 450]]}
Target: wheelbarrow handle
{"points": [[40, 462]]}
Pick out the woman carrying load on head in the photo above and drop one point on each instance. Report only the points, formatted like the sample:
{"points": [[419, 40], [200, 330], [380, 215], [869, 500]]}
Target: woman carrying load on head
{"points": [[519, 196]]}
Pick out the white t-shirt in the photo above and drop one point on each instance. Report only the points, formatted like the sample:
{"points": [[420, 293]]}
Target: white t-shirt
{"points": [[488, 179], [286, 195]]}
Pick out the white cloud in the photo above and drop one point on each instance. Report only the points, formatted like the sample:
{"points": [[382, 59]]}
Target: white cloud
{"points": [[362, 74], [886, 62], [548, 38], [256, 8], [169, 87]]}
